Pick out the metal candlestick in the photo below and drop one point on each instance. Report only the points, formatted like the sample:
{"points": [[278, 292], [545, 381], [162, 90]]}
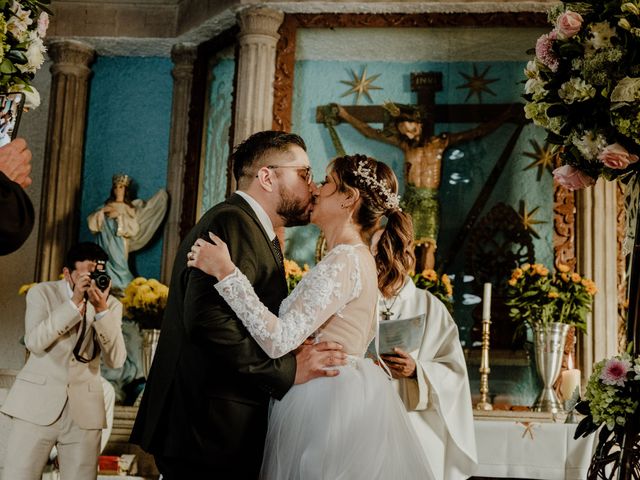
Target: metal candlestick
{"points": [[484, 403]]}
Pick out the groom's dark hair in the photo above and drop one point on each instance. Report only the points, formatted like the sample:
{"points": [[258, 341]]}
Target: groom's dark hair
{"points": [[249, 152]]}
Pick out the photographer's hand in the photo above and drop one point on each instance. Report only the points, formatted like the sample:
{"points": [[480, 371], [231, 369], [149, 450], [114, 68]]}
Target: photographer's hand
{"points": [[97, 297], [81, 283]]}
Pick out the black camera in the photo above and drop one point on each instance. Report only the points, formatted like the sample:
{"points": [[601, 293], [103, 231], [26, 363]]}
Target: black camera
{"points": [[100, 275]]}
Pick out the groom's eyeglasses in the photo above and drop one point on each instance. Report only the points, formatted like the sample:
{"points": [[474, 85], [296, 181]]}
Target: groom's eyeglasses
{"points": [[308, 177]]}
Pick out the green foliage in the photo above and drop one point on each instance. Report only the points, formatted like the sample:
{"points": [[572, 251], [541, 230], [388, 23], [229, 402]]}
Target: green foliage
{"points": [[612, 396], [581, 85], [536, 296]]}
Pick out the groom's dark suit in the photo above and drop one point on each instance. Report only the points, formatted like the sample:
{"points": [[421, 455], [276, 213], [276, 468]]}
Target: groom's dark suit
{"points": [[207, 395]]}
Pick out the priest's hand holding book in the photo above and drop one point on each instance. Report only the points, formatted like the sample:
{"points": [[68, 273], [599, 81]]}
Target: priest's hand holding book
{"points": [[400, 363]]}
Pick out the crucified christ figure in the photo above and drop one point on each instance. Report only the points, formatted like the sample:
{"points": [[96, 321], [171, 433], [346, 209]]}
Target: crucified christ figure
{"points": [[423, 153]]}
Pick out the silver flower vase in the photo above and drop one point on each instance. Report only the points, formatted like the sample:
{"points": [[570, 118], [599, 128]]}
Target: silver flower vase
{"points": [[150, 338], [548, 341]]}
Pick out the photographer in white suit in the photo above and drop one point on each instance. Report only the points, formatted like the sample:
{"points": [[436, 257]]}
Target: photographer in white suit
{"points": [[57, 398]]}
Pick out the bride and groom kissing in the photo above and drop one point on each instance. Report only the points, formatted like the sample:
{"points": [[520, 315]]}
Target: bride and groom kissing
{"points": [[227, 348]]}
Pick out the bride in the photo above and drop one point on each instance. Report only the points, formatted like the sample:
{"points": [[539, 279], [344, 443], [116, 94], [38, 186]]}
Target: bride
{"points": [[352, 426]]}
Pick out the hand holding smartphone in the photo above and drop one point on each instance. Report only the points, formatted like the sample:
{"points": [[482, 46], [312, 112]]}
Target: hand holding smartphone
{"points": [[11, 106]]}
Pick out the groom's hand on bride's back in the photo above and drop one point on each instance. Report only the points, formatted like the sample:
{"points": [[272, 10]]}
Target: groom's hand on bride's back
{"points": [[316, 360]]}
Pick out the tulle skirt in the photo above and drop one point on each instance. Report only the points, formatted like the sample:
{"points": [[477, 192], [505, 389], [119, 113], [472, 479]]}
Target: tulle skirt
{"points": [[350, 427]]}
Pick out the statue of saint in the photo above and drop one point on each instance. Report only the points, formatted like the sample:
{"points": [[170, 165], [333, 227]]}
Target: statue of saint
{"points": [[123, 225], [423, 163]]}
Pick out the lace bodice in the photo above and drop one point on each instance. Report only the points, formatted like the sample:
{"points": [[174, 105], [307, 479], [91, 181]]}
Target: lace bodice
{"points": [[336, 300]]}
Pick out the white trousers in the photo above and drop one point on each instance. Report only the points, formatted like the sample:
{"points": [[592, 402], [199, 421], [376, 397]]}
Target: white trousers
{"points": [[29, 446]]}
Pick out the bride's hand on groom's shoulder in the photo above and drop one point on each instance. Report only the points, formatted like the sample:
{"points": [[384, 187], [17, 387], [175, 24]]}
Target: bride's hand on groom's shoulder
{"points": [[211, 257], [317, 360]]}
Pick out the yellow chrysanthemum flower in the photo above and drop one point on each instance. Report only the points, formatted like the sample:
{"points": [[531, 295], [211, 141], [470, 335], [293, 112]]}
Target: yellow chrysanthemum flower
{"points": [[25, 288], [563, 268], [575, 277]]}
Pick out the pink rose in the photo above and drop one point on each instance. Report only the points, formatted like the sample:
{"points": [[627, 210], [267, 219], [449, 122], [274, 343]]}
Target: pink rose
{"points": [[571, 178], [568, 24], [616, 156]]}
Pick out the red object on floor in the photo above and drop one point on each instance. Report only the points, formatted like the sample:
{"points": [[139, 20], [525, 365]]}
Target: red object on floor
{"points": [[108, 463]]}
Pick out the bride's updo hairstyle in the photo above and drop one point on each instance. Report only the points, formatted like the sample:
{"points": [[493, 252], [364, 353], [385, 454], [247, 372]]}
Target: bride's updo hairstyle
{"points": [[378, 188]]}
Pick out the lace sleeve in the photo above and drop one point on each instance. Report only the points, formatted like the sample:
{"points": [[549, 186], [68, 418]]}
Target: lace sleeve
{"points": [[322, 293]]}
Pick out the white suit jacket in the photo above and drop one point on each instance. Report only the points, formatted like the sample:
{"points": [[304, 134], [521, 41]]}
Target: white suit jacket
{"points": [[438, 399], [52, 375]]}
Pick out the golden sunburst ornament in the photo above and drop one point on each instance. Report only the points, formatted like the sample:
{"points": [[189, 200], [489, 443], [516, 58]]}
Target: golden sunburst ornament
{"points": [[528, 218], [543, 158], [477, 83], [361, 85]]}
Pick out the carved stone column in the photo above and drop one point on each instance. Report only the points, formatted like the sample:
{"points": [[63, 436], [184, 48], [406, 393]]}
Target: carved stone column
{"points": [[63, 154], [597, 259], [256, 69], [183, 56]]}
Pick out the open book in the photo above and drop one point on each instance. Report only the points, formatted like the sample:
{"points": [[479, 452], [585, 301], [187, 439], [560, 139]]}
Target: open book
{"points": [[404, 333]]}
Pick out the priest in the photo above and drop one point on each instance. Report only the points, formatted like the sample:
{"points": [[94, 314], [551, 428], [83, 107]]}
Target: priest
{"points": [[433, 385]]}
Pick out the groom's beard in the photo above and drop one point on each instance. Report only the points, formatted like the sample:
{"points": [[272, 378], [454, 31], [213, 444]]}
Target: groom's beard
{"points": [[294, 211]]}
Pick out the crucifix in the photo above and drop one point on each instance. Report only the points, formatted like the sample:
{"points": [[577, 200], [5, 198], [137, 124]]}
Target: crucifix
{"points": [[411, 128]]}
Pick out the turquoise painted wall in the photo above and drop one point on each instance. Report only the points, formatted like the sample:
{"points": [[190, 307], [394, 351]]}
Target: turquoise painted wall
{"points": [[214, 176], [128, 122]]}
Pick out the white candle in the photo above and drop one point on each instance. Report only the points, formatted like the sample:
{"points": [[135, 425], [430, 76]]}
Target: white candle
{"points": [[486, 302], [570, 381]]}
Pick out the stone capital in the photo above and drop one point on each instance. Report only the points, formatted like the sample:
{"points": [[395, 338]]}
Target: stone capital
{"points": [[260, 21], [71, 52], [183, 56]]}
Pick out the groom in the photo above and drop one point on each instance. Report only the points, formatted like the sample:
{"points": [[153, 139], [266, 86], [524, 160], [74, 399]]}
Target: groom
{"points": [[204, 409]]}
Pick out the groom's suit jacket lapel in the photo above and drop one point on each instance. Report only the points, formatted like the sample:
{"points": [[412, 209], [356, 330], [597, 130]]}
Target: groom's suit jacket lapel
{"points": [[240, 202]]}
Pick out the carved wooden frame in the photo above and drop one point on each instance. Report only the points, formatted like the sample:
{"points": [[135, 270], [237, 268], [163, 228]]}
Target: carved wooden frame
{"points": [[564, 201], [193, 157]]}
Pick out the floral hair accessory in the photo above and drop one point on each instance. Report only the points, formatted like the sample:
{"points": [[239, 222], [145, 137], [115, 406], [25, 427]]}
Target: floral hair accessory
{"points": [[391, 200]]}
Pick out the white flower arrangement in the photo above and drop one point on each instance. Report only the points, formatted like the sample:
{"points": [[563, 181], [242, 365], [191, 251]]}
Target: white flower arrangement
{"points": [[23, 26], [583, 87]]}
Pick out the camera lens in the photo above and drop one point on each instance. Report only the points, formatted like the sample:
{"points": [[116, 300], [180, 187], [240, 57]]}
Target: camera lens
{"points": [[102, 280]]}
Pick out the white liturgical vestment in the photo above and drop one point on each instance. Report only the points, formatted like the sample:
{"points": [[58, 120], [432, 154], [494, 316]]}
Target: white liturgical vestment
{"points": [[438, 399]]}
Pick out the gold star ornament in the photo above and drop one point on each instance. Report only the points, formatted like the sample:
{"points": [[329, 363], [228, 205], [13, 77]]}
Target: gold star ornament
{"points": [[543, 158], [477, 83], [361, 85], [528, 218]]}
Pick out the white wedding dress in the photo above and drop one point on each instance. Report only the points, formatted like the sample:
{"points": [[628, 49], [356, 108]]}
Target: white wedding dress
{"points": [[349, 427]]}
